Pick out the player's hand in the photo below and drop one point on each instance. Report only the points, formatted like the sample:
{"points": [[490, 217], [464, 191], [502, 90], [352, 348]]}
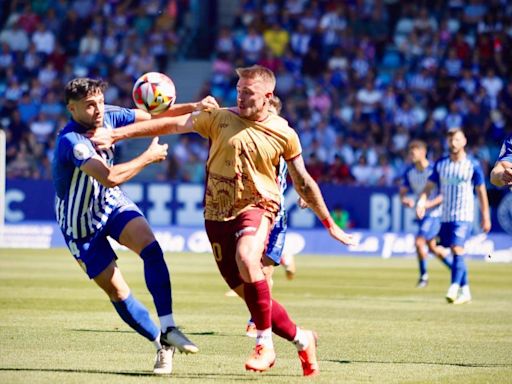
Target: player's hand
{"points": [[420, 210], [506, 177], [208, 102], [408, 202], [340, 235], [101, 137], [485, 224], [156, 152], [302, 203]]}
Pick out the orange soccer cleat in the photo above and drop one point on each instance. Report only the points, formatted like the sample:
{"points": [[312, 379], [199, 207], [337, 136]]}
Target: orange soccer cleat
{"points": [[261, 359], [308, 356]]}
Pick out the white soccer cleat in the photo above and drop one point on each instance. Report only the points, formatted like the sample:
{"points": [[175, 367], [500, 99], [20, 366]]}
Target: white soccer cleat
{"points": [[451, 295], [173, 336], [163, 360], [462, 299]]}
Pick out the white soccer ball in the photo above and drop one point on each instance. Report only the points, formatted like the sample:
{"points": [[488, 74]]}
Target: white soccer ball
{"points": [[154, 92]]}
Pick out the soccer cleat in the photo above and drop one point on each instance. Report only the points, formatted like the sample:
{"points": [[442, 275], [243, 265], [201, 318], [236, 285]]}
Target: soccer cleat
{"points": [[163, 360], [261, 359], [250, 330], [308, 356], [289, 267], [173, 336], [422, 283], [451, 295], [462, 299]]}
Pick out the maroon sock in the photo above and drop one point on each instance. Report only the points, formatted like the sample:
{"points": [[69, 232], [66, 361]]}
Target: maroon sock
{"points": [[282, 325], [257, 298]]}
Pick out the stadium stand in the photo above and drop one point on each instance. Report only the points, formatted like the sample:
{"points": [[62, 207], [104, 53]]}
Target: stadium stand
{"points": [[358, 79]]}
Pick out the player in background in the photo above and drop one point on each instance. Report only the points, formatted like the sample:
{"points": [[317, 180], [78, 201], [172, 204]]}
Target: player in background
{"points": [[501, 174], [90, 206], [242, 199], [414, 180], [457, 176]]}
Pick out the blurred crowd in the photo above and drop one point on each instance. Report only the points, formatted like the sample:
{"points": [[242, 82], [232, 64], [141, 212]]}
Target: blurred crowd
{"points": [[44, 44], [358, 78]]}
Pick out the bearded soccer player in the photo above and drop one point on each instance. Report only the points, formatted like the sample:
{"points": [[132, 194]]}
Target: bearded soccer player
{"points": [[90, 206], [242, 199], [457, 176]]}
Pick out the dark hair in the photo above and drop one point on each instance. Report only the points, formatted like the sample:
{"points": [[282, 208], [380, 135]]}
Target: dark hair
{"points": [[417, 144], [453, 131], [82, 87]]}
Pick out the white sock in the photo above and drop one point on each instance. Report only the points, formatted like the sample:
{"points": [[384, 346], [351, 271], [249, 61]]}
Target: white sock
{"points": [[465, 290], [264, 337], [301, 340], [166, 322], [157, 344]]}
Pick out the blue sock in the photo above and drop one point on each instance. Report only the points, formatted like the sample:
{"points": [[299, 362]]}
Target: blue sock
{"points": [[137, 316], [458, 269], [446, 262], [423, 266], [157, 278]]}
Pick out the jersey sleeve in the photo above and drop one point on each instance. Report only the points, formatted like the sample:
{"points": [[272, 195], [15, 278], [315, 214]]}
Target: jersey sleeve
{"points": [[292, 148], [204, 123], [478, 174], [506, 151], [76, 148], [119, 117]]}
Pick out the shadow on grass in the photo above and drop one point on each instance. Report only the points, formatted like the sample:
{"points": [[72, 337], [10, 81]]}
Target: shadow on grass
{"points": [[204, 333], [238, 377], [467, 365]]}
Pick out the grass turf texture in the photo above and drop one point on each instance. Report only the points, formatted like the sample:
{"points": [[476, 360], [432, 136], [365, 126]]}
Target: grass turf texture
{"points": [[374, 326]]}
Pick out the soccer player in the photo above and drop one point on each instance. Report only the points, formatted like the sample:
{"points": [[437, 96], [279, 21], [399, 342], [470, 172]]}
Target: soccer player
{"points": [[242, 199], [457, 175], [274, 254], [90, 206], [414, 180], [501, 174]]}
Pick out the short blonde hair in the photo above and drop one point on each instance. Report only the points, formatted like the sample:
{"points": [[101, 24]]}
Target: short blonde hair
{"points": [[258, 71], [276, 104]]}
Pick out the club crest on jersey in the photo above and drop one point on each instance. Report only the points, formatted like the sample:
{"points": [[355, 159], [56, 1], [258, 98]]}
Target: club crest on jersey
{"points": [[81, 151]]}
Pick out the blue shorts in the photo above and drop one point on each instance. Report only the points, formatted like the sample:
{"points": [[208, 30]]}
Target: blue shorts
{"points": [[276, 240], [455, 233], [429, 227], [95, 253]]}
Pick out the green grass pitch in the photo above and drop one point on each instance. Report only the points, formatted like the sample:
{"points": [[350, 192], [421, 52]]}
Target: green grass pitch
{"points": [[374, 326]]}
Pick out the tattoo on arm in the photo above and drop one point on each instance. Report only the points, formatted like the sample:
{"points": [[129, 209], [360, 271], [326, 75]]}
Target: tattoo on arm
{"points": [[307, 188]]}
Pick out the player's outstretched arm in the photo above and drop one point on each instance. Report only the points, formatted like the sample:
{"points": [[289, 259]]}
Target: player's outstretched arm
{"points": [[104, 138], [121, 173], [406, 201], [421, 204], [208, 102], [308, 190], [501, 174], [481, 193]]}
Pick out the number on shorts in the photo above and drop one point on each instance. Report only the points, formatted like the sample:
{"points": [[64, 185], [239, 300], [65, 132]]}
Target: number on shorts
{"points": [[217, 251]]}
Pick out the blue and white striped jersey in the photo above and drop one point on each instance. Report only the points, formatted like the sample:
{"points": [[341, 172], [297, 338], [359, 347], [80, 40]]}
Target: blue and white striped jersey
{"points": [[506, 151], [82, 204], [415, 180], [281, 179], [456, 181]]}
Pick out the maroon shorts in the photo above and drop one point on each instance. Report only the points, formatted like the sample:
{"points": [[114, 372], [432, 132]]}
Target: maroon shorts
{"points": [[224, 235]]}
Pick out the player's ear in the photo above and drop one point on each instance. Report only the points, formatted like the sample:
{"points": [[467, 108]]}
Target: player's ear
{"points": [[70, 107]]}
